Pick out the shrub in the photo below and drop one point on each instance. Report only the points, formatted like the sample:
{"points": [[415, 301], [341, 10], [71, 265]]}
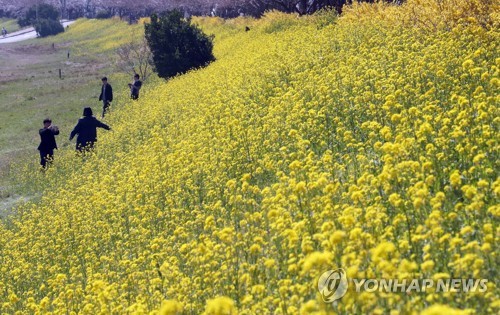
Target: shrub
{"points": [[103, 14], [46, 27], [176, 44]]}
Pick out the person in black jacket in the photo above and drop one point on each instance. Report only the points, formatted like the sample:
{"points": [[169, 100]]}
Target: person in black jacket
{"points": [[106, 95], [135, 87], [48, 142], [86, 129]]}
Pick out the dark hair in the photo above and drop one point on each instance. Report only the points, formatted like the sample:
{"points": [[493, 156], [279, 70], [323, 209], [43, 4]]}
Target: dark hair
{"points": [[104, 79], [136, 76], [87, 112], [47, 120]]}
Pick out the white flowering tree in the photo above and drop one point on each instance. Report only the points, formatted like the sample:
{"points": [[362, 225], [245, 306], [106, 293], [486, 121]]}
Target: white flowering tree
{"points": [[73, 8]]}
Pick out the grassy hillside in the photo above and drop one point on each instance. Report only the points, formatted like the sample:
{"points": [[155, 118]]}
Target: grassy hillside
{"points": [[31, 89], [370, 144], [9, 24], [92, 37]]}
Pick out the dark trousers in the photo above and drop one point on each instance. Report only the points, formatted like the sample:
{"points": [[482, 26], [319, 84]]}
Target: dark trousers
{"points": [[46, 157], [105, 107]]}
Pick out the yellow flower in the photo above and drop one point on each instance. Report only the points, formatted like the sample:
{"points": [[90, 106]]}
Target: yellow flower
{"points": [[383, 249], [469, 191], [300, 188], [427, 265], [270, 263], [466, 230], [443, 309], [170, 307], [317, 260], [220, 306], [310, 307], [13, 298], [255, 249], [337, 237], [295, 165], [455, 179], [440, 275], [395, 200], [418, 203], [467, 64]]}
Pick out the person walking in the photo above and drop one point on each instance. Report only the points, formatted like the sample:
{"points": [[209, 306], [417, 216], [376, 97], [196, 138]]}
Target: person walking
{"points": [[47, 142], [106, 95], [135, 87], [86, 129]]}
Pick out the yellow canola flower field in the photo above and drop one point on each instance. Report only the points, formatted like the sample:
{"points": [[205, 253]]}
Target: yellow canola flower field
{"points": [[365, 144], [90, 37]]}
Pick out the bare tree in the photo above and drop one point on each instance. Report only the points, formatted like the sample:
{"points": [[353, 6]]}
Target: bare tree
{"points": [[135, 57], [298, 6]]}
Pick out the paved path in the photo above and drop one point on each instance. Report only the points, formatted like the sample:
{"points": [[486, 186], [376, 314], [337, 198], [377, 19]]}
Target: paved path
{"points": [[24, 34]]}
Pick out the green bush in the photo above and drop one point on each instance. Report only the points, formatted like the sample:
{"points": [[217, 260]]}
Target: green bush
{"points": [[103, 14], [177, 45], [46, 27]]}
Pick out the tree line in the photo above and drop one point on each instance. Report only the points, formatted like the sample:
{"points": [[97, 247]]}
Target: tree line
{"points": [[72, 9]]}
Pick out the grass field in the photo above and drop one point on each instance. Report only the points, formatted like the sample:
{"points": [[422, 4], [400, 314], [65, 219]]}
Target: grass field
{"points": [[368, 142]]}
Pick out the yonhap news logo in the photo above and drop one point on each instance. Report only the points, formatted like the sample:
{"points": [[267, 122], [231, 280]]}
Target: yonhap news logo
{"points": [[333, 285]]}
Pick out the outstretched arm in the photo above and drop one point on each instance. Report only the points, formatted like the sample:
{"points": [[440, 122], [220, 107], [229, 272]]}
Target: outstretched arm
{"points": [[102, 125]]}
